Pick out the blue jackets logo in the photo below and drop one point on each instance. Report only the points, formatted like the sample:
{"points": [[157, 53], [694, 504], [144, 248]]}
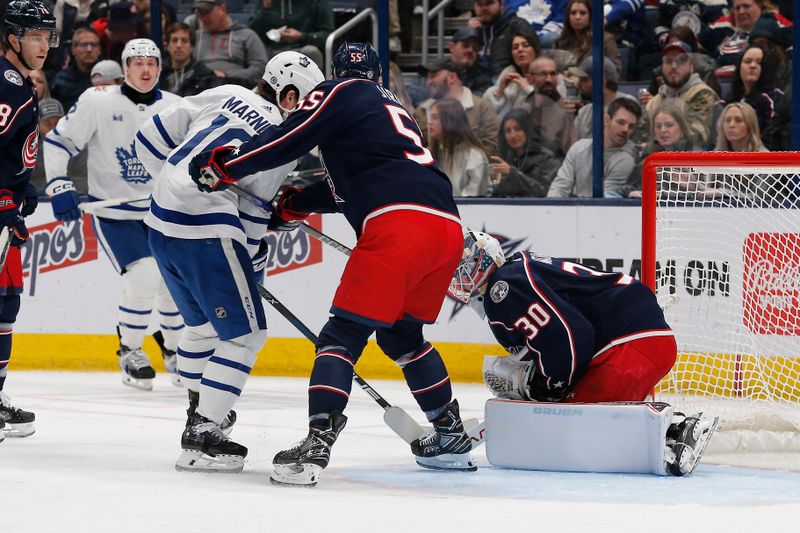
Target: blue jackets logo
{"points": [[131, 169]]}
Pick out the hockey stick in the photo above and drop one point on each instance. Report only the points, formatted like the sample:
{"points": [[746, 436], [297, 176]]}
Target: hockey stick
{"points": [[395, 417], [5, 244], [90, 207], [308, 173]]}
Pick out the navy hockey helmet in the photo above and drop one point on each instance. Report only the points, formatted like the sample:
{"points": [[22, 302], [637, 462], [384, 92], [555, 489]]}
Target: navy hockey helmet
{"points": [[356, 60], [22, 15], [481, 256]]}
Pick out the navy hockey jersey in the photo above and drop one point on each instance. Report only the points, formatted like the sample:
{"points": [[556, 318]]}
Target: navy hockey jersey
{"points": [[561, 315], [371, 148], [19, 130]]}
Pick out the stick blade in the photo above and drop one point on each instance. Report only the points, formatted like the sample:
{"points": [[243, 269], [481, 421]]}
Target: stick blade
{"points": [[401, 423]]}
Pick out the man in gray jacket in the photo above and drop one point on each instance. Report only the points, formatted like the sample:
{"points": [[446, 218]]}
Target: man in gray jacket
{"points": [[574, 178], [232, 50]]}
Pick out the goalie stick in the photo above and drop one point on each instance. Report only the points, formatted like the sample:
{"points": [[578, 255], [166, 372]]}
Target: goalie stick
{"points": [[395, 417]]}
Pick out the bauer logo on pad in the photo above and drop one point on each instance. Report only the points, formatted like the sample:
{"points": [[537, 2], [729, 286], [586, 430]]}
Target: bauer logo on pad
{"points": [[771, 283]]}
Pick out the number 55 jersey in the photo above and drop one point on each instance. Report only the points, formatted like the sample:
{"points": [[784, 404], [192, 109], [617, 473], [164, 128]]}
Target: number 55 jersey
{"points": [[371, 148]]}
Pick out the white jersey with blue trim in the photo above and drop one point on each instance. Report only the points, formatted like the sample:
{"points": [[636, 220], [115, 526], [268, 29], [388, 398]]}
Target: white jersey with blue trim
{"points": [[105, 121], [166, 144]]}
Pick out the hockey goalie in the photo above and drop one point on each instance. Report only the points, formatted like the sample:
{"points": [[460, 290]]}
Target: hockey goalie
{"points": [[586, 348]]}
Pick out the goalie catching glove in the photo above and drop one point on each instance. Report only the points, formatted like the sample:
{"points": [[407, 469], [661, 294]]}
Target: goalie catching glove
{"points": [[285, 218], [207, 169], [513, 379]]}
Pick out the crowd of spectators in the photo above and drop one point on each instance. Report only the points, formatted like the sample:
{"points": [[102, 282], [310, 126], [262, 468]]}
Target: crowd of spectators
{"points": [[508, 110]]}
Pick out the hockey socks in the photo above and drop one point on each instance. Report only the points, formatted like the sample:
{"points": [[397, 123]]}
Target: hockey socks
{"points": [[5, 352], [427, 378]]}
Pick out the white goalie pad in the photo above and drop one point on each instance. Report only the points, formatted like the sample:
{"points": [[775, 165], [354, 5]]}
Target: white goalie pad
{"points": [[598, 437]]}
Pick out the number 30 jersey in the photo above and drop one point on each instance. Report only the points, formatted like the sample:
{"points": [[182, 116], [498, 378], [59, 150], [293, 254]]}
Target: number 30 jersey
{"points": [[222, 116], [371, 148]]}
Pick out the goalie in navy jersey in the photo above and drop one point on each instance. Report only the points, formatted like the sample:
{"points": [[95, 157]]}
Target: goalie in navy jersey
{"points": [[388, 186], [28, 33], [575, 335]]}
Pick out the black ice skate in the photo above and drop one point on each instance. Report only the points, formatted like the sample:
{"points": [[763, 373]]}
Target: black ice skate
{"points": [[170, 360], [207, 449], [136, 369], [687, 438], [446, 446], [302, 463], [227, 423], [14, 422]]}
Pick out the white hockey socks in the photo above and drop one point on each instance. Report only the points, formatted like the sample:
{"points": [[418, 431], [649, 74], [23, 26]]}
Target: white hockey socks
{"points": [[139, 285], [170, 321], [196, 346]]}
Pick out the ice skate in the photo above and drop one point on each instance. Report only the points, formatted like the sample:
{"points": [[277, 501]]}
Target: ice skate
{"points": [[687, 438], [302, 464], [17, 423], [446, 446], [170, 360], [136, 369], [207, 449], [227, 423]]}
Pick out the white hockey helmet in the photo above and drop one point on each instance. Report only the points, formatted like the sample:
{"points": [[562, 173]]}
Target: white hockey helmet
{"points": [[140, 48], [292, 68], [481, 256]]}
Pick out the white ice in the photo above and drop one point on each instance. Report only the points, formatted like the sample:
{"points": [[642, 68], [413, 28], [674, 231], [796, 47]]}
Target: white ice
{"points": [[102, 460]]}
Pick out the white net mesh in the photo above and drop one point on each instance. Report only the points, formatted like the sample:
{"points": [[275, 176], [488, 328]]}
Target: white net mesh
{"points": [[727, 246]]}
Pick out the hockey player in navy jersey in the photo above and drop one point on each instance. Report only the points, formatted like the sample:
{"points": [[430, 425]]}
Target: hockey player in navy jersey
{"points": [[388, 186], [28, 32], [105, 119], [574, 335], [206, 246]]}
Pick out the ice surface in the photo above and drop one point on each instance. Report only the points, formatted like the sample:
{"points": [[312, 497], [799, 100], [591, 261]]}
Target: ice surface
{"points": [[102, 460]]}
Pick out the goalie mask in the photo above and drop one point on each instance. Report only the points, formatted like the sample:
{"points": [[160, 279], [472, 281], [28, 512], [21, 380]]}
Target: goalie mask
{"points": [[292, 69], [481, 256]]}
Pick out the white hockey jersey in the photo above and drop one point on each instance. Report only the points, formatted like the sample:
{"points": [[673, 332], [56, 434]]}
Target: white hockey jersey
{"points": [[222, 116], [106, 121]]}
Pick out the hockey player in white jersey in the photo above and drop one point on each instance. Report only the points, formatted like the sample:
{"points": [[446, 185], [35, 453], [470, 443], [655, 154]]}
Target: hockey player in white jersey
{"points": [[206, 244], [105, 119]]}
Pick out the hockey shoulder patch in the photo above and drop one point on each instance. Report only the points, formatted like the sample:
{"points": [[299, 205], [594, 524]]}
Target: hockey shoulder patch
{"points": [[30, 149], [13, 77], [499, 291]]}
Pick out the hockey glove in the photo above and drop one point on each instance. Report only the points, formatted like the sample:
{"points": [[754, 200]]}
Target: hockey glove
{"points": [[31, 200], [285, 218], [207, 169], [11, 218], [64, 199]]}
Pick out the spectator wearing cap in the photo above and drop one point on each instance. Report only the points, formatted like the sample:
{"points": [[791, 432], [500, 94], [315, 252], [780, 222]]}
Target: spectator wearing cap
{"points": [[443, 82], [183, 75], [574, 178], [464, 47], [300, 25], [545, 104], [69, 83], [682, 83], [229, 49], [732, 33], [770, 35], [754, 83], [496, 28], [107, 72], [513, 87], [122, 25], [582, 124], [704, 64]]}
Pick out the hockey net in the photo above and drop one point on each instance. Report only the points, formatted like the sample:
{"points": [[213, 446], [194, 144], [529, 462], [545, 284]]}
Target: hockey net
{"points": [[721, 249]]}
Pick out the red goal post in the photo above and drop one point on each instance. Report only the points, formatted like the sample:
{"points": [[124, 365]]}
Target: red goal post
{"points": [[721, 250]]}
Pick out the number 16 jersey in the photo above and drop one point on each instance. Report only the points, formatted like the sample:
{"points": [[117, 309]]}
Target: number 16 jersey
{"points": [[371, 148]]}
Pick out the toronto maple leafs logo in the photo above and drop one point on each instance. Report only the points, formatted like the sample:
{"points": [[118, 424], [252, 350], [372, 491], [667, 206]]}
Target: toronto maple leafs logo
{"points": [[304, 62], [131, 169], [536, 11]]}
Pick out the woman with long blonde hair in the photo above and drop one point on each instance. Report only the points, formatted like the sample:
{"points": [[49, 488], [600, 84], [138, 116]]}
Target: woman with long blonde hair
{"points": [[738, 131]]}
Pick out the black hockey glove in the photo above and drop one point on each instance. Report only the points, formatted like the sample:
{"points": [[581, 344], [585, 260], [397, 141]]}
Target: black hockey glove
{"points": [[31, 200], [541, 392], [11, 218], [207, 169], [285, 218]]}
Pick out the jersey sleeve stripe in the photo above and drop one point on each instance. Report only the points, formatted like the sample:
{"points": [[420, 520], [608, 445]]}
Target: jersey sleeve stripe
{"points": [[163, 131], [541, 295], [57, 144], [11, 122], [147, 144], [297, 128], [254, 219]]}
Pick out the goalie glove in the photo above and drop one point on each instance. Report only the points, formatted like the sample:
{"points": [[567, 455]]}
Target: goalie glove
{"points": [[507, 377], [207, 169], [285, 218]]}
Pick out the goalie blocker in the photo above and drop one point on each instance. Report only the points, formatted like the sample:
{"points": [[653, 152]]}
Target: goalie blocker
{"points": [[625, 437]]}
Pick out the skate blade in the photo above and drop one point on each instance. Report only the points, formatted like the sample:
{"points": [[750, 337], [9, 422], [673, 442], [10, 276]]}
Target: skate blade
{"points": [[448, 461], [702, 442], [16, 431], [295, 475], [197, 461], [142, 384]]}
